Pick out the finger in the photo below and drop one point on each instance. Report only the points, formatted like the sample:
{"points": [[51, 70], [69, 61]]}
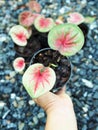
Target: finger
{"points": [[45, 99]]}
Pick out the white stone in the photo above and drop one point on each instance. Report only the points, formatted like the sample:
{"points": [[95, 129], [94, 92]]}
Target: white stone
{"points": [[85, 109], [31, 102], [2, 104], [13, 95], [87, 83]]}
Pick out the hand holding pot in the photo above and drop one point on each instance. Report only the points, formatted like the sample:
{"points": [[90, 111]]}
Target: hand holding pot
{"points": [[59, 109]]}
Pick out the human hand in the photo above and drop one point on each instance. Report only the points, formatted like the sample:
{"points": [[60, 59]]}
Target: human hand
{"points": [[59, 109]]}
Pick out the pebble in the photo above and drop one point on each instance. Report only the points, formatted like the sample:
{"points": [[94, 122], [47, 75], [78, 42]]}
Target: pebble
{"points": [[84, 127], [11, 125], [12, 74], [88, 83], [5, 114], [21, 125], [35, 119], [40, 115], [64, 9], [2, 104], [15, 103], [31, 102], [95, 96], [85, 109]]}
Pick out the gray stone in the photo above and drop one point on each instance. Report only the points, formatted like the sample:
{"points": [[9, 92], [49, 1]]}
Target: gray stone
{"points": [[96, 103], [11, 125], [84, 127], [95, 96], [91, 113], [20, 125], [35, 120], [41, 115], [41, 128]]}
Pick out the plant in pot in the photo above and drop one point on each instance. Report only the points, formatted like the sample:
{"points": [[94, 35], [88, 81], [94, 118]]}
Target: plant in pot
{"points": [[50, 68]]}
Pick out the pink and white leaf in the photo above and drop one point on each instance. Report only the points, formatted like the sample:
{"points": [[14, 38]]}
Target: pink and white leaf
{"points": [[19, 35], [38, 80], [67, 38], [75, 18], [34, 6], [27, 18], [19, 64], [43, 24]]}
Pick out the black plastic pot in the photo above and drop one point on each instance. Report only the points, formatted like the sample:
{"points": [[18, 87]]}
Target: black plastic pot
{"points": [[56, 61], [85, 30]]}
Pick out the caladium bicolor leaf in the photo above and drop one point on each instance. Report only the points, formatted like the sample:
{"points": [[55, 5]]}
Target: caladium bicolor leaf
{"points": [[19, 64], [19, 35], [38, 80], [27, 18], [34, 6], [75, 18], [67, 38], [89, 19], [43, 24]]}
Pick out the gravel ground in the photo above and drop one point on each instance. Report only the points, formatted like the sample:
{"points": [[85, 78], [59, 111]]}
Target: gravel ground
{"points": [[17, 110]]}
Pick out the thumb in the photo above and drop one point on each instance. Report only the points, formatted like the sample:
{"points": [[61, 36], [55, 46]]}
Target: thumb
{"points": [[45, 99]]}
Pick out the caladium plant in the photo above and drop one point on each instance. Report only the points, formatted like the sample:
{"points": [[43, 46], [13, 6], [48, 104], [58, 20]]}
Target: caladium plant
{"points": [[38, 79]]}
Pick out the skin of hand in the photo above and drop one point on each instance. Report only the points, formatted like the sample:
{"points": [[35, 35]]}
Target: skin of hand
{"points": [[59, 109]]}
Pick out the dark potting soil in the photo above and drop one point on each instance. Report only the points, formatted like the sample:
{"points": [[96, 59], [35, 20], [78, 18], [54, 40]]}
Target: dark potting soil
{"points": [[27, 51], [43, 39], [56, 61]]}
